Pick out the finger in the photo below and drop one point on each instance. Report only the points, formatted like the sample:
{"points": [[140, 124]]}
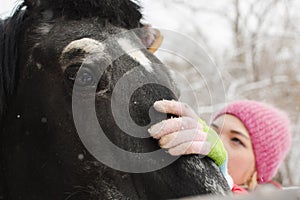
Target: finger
{"points": [[174, 139], [175, 107], [202, 148], [173, 125]]}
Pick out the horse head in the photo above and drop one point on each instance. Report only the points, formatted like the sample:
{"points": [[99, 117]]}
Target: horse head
{"points": [[74, 70]]}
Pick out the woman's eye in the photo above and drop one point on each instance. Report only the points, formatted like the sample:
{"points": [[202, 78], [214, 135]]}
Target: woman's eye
{"points": [[237, 141]]}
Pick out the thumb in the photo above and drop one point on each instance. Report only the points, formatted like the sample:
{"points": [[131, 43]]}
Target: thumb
{"points": [[175, 107]]}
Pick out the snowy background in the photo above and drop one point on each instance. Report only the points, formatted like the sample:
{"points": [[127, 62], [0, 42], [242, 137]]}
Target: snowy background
{"points": [[255, 44]]}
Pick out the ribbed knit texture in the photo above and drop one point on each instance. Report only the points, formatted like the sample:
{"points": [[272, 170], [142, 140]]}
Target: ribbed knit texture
{"points": [[269, 130]]}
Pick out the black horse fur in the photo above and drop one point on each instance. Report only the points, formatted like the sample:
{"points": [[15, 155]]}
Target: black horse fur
{"points": [[39, 144]]}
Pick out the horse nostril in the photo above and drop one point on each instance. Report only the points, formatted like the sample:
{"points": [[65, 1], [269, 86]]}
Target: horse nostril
{"points": [[141, 104]]}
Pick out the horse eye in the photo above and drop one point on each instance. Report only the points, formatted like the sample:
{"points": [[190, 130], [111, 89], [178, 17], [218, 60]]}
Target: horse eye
{"points": [[71, 72], [85, 78]]}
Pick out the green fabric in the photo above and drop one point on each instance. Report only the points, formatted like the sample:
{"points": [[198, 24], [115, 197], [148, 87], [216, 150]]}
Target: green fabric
{"points": [[217, 152]]}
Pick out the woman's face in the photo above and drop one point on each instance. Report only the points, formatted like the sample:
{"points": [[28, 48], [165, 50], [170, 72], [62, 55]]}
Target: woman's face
{"points": [[235, 137]]}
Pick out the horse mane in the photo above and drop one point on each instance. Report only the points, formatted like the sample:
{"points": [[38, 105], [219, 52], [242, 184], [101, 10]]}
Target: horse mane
{"points": [[124, 13], [10, 30]]}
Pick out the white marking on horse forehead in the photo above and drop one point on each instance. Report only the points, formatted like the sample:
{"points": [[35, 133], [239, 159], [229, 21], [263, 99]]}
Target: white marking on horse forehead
{"points": [[137, 55], [88, 45]]}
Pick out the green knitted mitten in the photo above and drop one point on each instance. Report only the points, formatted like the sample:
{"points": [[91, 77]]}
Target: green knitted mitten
{"points": [[217, 152]]}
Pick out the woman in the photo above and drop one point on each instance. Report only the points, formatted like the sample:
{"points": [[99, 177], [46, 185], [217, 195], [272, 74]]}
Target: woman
{"points": [[256, 137]]}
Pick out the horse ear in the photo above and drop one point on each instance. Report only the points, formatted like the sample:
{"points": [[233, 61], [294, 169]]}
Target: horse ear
{"points": [[151, 37], [157, 41]]}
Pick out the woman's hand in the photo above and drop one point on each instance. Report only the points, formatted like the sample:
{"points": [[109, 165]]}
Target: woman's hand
{"points": [[188, 134], [182, 135]]}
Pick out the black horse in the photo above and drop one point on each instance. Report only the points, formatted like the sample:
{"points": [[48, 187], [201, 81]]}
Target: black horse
{"points": [[48, 47]]}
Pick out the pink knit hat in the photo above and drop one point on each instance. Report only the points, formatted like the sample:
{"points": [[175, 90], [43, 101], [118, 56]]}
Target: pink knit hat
{"points": [[269, 129]]}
